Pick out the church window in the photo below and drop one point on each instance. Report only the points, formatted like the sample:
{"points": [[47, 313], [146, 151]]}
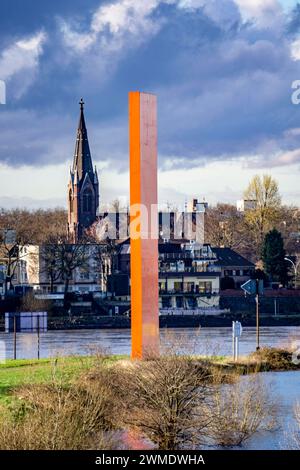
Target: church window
{"points": [[70, 201], [87, 200]]}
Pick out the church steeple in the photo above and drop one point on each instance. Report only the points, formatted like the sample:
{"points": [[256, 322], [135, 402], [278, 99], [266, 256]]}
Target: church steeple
{"points": [[82, 156], [83, 188]]}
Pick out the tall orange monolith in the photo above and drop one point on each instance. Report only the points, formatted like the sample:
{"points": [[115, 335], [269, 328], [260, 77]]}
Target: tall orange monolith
{"points": [[143, 220]]}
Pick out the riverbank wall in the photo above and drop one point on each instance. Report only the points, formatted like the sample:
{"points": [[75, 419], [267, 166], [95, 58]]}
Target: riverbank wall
{"points": [[170, 321]]}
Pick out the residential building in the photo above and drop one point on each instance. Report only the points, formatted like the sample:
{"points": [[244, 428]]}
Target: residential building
{"points": [[244, 205], [234, 268], [189, 277], [40, 268]]}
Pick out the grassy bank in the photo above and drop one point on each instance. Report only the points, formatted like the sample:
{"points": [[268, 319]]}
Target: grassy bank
{"points": [[20, 372], [107, 402]]}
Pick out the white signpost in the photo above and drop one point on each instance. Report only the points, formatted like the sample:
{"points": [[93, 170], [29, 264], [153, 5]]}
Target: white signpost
{"points": [[237, 330]]}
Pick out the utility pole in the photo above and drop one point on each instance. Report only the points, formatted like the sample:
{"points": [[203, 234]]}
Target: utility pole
{"points": [[255, 287], [38, 335], [15, 336], [257, 315], [275, 307]]}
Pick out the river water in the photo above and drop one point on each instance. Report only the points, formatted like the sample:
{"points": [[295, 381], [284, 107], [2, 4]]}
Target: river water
{"points": [[206, 341], [285, 388]]}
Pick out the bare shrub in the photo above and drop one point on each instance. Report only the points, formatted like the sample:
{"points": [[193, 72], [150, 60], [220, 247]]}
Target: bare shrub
{"points": [[56, 416], [297, 416], [292, 436], [181, 343], [163, 400], [30, 304], [274, 359], [239, 410]]}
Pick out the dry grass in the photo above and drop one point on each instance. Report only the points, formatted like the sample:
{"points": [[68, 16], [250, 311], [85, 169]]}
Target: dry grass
{"points": [[274, 359], [175, 401], [58, 416]]}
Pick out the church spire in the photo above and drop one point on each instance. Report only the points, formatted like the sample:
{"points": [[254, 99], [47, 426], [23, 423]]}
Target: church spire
{"points": [[82, 157], [83, 188]]}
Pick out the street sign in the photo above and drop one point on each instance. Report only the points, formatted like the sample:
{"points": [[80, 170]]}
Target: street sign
{"points": [[236, 334], [249, 286], [237, 329], [253, 287]]}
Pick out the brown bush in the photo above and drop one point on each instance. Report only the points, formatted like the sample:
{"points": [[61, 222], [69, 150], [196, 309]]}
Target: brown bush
{"points": [[274, 359], [174, 401], [56, 416], [163, 400]]}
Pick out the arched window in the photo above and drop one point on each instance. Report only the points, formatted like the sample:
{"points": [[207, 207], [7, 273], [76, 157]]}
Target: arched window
{"points": [[71, 201], [87, 200]]}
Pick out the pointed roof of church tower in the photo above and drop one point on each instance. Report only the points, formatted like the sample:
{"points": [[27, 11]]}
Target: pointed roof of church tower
{"points": [[82, 163]]}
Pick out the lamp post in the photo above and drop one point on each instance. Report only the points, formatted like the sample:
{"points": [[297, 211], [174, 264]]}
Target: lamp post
{"points": [[295, 266]]}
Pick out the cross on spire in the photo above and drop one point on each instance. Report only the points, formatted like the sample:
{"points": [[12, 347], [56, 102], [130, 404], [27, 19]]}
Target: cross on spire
{"points": [[81, 102]]}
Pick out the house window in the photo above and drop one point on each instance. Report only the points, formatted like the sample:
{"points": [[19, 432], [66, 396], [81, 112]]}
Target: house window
{"points": [[87, 200], [205, 287], [84, 276], [162, 286], [189, 286], [177, 286], [228, 272]]}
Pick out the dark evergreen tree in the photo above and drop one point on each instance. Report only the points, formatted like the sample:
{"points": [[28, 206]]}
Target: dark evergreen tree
{"points": [[273, 254]]}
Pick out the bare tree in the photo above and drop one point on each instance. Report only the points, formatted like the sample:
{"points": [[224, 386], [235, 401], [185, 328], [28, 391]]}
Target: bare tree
{"points": [[264, 216], [20, 228], [105, 253], [240, 409], [60, 259], [72, 257], [164, 400], [12, 244], [51, 262], [225, 226]]}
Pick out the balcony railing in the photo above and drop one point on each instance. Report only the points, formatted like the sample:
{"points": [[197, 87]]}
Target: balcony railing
{"points": [[188, 292], [189, 255], [188, 269]]}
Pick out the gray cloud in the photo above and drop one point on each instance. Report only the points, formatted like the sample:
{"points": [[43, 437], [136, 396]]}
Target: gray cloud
{"points": [[223, 86]]}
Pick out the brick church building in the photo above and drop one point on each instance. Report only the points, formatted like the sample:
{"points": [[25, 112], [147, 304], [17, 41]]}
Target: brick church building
{"points": [[83, 187]]}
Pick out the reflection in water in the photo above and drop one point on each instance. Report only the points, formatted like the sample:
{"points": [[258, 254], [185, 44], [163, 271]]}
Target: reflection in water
{"points": [[211, 341], [285, 387]]}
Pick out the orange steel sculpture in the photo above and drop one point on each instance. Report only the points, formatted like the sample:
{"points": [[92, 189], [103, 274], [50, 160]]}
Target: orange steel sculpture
{"points": [[143, 218]]}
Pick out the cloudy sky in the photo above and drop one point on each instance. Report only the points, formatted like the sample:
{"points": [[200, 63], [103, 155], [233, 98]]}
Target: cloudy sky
{"points": [[222, 69]]}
